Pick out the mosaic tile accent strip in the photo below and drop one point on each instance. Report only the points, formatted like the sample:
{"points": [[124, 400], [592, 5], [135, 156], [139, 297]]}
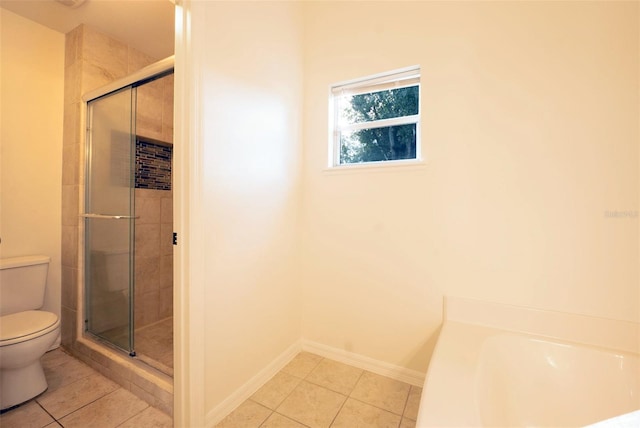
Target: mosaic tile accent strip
{"points": [[153, 165]]}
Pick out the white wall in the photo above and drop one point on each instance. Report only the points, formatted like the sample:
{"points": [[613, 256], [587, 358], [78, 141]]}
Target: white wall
{"points": [[530, 134], [32, 87], [247, 75]]}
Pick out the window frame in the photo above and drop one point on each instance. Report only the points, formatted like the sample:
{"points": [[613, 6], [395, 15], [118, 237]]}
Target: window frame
{"points": [[394, 79]]}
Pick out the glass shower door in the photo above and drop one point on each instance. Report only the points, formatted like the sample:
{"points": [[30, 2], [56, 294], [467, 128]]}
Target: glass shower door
{"points": [[109, 218]]}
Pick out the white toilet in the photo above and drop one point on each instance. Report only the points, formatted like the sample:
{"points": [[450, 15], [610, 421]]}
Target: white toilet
{"points": [[26, 333]]}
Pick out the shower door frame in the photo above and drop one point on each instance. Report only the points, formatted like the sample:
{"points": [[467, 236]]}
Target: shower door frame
{"points": [[92, 218], [152, 72]]}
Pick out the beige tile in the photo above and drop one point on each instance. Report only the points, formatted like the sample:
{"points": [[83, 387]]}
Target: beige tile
{"points": [[66, 373], [29, 415], [138, 60], [94, 76], [73, 396], [276, 390], [302, 364], [71, 132], [146, 310], [72, 79], [148, 209], [100, 358], [72, 45], [248, 415], [156, 342], [166, 272], [68, 332], [70, 176], [55, 358], [164, 399], [142, 394], [149, 193], [105, 52], [147, 273], [69, 246], [69, 286], [167, 133], [407, 423], [148, 240], [167, 106], [109, 411], [336, 376], [149, 110], [276, 420], [380, 391], [151, 92], [312, 405], [70, 204], [146, 128], [116, 374], [355, 414], [413, 403], [167, 210], [149, 417], [166, 303], [143, 382]]}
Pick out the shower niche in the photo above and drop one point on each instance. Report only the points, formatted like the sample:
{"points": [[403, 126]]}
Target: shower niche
{"points": [[129, 220]]}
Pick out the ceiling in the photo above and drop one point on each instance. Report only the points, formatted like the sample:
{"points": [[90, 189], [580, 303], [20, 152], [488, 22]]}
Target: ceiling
{"points": [[147, 25]]}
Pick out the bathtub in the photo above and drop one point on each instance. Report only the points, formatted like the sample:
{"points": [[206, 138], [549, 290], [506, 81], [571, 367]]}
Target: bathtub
{"points": [[506, 366]]}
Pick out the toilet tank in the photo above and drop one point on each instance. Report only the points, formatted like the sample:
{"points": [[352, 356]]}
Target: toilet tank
{"points": [[22, 283]]}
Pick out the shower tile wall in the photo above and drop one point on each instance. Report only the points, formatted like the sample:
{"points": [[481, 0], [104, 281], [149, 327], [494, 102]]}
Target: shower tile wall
{"points": [[154, 114], [93, 59], [154, 256], [154, 228]]}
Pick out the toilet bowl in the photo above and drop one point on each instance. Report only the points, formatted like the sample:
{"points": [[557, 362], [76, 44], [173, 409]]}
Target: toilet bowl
{"points": [[26, 332], [24, 338]]}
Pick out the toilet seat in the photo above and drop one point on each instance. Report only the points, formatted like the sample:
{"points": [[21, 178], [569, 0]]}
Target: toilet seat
{"points": [[27, 325]]}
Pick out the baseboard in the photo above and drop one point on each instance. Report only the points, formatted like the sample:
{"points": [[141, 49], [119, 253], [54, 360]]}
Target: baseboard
{"points": [[251, 386], [403, 374], [382, 368]]}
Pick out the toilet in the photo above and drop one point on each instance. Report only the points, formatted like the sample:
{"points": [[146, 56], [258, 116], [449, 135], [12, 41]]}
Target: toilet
{"points": [[26, 332]]}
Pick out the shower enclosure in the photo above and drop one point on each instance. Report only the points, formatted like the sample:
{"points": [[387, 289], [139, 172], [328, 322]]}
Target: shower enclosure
{"points": [[120, 163]]}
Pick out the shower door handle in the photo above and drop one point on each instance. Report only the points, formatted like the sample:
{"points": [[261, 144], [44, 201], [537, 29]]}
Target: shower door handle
{"points": [[111, 217]]}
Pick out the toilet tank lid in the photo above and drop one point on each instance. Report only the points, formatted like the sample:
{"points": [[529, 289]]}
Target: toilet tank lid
{"points": [[25, 323], [14, 262]]}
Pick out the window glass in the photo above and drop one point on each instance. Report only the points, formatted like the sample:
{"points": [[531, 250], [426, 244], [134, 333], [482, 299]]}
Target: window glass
{"points": [[378, 144], [378, 105]]}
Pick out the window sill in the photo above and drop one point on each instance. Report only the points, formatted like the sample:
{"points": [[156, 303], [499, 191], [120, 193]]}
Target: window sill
{"points": [[384, 166]]}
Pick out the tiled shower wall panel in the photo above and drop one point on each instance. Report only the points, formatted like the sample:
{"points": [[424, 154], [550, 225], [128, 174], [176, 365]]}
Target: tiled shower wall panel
{"points": [[154, 110], [153, 256]]}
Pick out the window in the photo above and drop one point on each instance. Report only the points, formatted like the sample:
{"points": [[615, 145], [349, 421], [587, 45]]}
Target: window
{"points": [[376, 119]]}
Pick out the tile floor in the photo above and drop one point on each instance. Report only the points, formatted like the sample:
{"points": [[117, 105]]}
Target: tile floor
{"points": [[316, 392], [310, 391], [79, 396]]}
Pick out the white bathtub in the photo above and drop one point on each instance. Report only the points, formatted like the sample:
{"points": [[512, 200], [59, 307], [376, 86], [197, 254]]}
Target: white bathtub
{"points": [[505, 366]]}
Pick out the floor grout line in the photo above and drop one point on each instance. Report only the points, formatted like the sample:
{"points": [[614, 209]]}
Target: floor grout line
{"points": [[47, 412]]}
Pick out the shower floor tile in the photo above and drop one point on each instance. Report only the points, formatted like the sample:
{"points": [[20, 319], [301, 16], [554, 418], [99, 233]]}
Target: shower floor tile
{"points": [[80, 396], [154, 345]]}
